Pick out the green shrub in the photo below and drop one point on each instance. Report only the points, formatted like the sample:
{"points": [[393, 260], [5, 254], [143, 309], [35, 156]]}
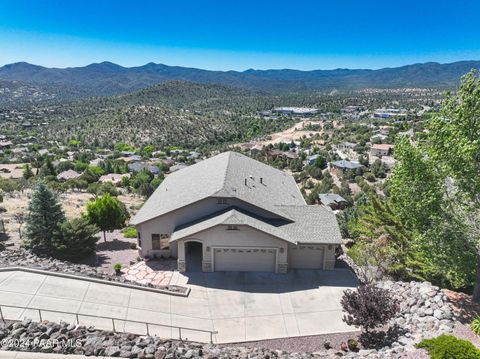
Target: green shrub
{"points": [[449, 347], [117, 266], [352, 344], [475, 325], [130, 232]]}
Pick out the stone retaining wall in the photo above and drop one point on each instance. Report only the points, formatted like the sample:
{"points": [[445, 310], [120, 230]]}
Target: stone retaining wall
{"points": [[26, 259]]}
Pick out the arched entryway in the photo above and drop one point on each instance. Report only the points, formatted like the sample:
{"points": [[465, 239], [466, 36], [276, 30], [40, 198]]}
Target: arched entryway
{"points": [[193, 256]]}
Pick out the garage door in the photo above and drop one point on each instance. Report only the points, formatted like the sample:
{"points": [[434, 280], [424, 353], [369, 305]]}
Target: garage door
{"points": [[306, 257], [244, 260]]}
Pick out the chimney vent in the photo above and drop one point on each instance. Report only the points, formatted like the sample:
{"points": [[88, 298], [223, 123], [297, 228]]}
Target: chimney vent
{"points": [[245, 181], [261, 180]]}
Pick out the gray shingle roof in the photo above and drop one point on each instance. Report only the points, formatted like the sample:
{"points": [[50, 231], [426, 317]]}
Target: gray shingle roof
{"points": [[229, 217], [329, 198], [312, 224], [347, 164], [223, 175]]}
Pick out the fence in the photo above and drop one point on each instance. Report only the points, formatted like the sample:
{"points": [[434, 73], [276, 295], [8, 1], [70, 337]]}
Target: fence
{"points": [[148, 325]]}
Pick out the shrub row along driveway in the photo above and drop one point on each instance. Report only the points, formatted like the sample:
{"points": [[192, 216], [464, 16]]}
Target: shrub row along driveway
{"points": [[240, 306]]}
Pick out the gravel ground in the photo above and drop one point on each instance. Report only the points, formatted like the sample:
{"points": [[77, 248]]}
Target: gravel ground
{"points": [[116, 250], [300, 344]]}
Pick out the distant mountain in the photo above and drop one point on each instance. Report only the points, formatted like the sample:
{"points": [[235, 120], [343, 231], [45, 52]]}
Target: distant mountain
{"points": [[106, 78]]}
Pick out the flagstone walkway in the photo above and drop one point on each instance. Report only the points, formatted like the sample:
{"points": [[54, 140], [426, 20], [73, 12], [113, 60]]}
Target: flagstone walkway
{"points": [[155, 272]]}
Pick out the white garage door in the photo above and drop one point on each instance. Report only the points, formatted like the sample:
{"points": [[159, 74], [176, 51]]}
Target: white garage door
{"points": [[306, 257], [244, 260]]}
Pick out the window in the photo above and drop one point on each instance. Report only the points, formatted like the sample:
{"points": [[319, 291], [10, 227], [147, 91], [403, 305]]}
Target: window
{"points": [[232, 228], [156, 241], [160, 241], [221, 201]]}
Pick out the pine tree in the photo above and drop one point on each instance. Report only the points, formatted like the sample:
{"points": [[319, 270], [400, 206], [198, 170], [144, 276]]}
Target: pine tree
{"points": [[43, 219], [27, 172], [77, 239]]}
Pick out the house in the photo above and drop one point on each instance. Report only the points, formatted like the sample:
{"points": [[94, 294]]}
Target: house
{"points": [[311, 159], [96, 162], [286, 155], [233, 213], [6, 144], [296, 111], [114, 178], [380, 150], [177, 167], [138, 166], [256, 149], [346, 146], [193, 155], [345, 165], [332, 200], [68, 175]]}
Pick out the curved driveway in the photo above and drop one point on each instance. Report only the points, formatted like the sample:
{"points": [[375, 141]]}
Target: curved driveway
{"points": [[240, 306]]}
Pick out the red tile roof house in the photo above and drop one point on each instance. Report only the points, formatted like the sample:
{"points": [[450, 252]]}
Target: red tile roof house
{"points": [[380, 150], [232, 213], [67, 175]]}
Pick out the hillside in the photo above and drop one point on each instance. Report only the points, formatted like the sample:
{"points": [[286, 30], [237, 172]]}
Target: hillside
{"points": [[106, 78], [170, 114]]}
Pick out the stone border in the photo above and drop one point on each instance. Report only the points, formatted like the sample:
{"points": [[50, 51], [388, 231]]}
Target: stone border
{"points": [[95, 280]]}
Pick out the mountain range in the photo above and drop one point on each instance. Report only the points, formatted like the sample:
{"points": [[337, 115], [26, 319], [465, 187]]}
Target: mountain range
{"points": [[106, 78]]}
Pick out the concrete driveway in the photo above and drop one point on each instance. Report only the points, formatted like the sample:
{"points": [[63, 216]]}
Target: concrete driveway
{"points": [[240, 306]]}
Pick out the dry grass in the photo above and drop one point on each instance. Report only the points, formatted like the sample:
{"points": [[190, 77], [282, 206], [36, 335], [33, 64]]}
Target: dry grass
{"points": [[73, 204]]}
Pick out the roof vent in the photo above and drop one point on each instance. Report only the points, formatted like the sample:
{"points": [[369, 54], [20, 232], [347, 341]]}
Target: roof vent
{"points": [[245, 181], [261, 180]]}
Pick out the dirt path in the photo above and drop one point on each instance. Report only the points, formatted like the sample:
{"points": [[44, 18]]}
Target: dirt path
{"points": [[293, 133]]}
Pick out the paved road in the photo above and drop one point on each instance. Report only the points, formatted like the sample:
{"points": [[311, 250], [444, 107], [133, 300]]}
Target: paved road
{"points": [[240, 306]]}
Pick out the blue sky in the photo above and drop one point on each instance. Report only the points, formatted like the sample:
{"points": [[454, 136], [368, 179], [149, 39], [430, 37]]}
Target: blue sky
{"points": [[242, 34]]}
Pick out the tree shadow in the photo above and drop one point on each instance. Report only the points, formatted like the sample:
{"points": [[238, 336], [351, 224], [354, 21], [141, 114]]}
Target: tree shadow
{"points": [[117, 245], [379, 339]]}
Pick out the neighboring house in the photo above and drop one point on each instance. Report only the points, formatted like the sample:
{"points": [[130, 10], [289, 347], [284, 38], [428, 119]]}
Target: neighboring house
{"points": [[6, 144], [96, 162], [286, 155], [68, 175], [138, 166], [378, 136], [346, 146], [177, 167], [296, 111], [332, 200], [256, 149], [380, 150], [193, 155], [232, 213], [115, 178], [19, 150], [345, 165], [311, 159]]}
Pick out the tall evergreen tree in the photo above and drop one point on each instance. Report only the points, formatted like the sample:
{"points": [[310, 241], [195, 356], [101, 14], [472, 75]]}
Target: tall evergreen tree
{"points": [[43, 219]]}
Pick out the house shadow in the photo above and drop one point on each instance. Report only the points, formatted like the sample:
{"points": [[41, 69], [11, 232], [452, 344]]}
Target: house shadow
{"points": [[263, 282]]}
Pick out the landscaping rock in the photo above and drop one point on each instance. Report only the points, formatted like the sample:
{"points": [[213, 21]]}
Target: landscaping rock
{"points": [[23, 258]]}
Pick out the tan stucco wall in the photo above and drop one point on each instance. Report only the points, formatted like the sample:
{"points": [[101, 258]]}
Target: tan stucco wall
{"points": [[219, 236], [168, 222]]}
